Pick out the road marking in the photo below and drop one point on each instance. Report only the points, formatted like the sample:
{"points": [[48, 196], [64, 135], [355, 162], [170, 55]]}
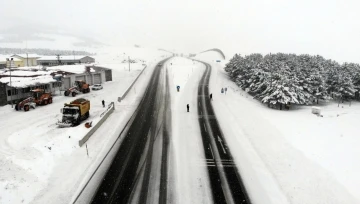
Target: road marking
{"points": [[211, 152], [205, 127], [222, 146]]}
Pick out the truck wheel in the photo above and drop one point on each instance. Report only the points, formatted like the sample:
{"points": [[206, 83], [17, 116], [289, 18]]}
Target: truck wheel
{"points": [[17, 107], [66, 93], [73, 94], [87, 115], [26, 108], [50, 100]]}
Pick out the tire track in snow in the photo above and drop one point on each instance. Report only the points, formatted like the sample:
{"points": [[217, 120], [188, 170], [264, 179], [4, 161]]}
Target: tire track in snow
{"points": [[226, 183]]}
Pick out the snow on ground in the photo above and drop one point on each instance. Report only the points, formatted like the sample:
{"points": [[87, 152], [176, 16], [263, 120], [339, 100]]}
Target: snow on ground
{"points": [[190, 174], [289, 156], [40, 162], [119, 54]]}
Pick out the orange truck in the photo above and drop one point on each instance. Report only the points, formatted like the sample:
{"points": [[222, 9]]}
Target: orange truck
{"points": [[74, 112], [39, 97]]}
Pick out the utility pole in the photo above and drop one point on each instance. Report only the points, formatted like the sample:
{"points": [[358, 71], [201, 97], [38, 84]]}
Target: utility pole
{"points": [[129, 63], [58, 58], [11, 88], [27, 56]]}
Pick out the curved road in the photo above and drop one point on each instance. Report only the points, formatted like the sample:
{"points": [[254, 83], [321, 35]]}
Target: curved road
{"points": [[226, 183], [140, 165]]}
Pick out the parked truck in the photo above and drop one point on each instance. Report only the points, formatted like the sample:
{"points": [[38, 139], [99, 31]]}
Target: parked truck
{"points": [[79, 87], [74, 112], [38, 97]]}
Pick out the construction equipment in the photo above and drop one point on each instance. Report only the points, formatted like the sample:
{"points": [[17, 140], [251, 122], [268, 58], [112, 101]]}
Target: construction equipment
{"points": [[79, 87], [74, 112], [39, 97]]}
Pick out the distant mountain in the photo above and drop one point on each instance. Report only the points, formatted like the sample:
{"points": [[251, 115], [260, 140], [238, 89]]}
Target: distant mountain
{"points": [[10, 51]]}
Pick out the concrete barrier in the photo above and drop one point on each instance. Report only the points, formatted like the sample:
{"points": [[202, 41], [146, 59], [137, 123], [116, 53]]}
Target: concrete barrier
{"points": [[103, 116], [106, 113], [127, 91]]}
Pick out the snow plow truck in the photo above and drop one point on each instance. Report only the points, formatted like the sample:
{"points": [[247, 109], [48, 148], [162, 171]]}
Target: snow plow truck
{"points": [[39, 97], [80, 87], [74, 112]]}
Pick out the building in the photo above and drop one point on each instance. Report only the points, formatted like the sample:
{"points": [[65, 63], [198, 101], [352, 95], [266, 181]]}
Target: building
{"points": [[18, 93], [27, 59], [100, 76], [64, 60], [23, 82], [15, 63]]}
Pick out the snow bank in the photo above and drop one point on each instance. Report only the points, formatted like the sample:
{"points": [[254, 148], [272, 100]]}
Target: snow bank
{"points": [[190, 178]]}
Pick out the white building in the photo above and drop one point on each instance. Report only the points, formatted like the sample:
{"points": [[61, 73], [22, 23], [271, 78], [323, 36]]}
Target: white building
{"points": [[27, 59], [64, 60]]}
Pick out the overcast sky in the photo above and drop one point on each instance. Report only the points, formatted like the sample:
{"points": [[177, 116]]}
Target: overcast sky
{"points": [[326, 27]]}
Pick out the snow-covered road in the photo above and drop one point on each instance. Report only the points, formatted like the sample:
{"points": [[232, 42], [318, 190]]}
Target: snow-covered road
{"points": [[191, 180]]}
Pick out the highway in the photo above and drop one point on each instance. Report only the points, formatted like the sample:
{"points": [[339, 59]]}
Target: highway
{"points": [[139, 172], [144, 150], [226, 183]]}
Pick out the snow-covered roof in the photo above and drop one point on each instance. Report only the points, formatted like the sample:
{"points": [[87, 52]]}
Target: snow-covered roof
{"points": [[77, 69], [25, 73], [69, 57], [27, 81], [26, 55], [3, 59]]}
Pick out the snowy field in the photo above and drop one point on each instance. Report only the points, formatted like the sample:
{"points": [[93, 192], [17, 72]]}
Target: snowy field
{"points": [[290, 156], [40, 162]]}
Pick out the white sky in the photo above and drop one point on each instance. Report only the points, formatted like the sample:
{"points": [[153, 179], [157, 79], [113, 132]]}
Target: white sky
{"points": [[327, 27]]}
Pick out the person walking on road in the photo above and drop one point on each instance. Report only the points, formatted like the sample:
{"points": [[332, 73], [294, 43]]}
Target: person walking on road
{"points": [[103, 103], [222, 90], [211, 97], [188, 107]]}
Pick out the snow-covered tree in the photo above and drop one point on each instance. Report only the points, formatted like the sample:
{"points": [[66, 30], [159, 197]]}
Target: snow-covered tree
{"points": [[299, 79]]}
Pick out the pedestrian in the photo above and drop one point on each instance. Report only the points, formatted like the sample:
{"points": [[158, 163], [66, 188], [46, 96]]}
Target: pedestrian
{"points": [[222, 90], [188, 107], [103, 103], [178, 88], [211, 97]]}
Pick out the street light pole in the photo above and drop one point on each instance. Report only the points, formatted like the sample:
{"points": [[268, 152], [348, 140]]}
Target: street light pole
{"points": [[27, 59]]}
